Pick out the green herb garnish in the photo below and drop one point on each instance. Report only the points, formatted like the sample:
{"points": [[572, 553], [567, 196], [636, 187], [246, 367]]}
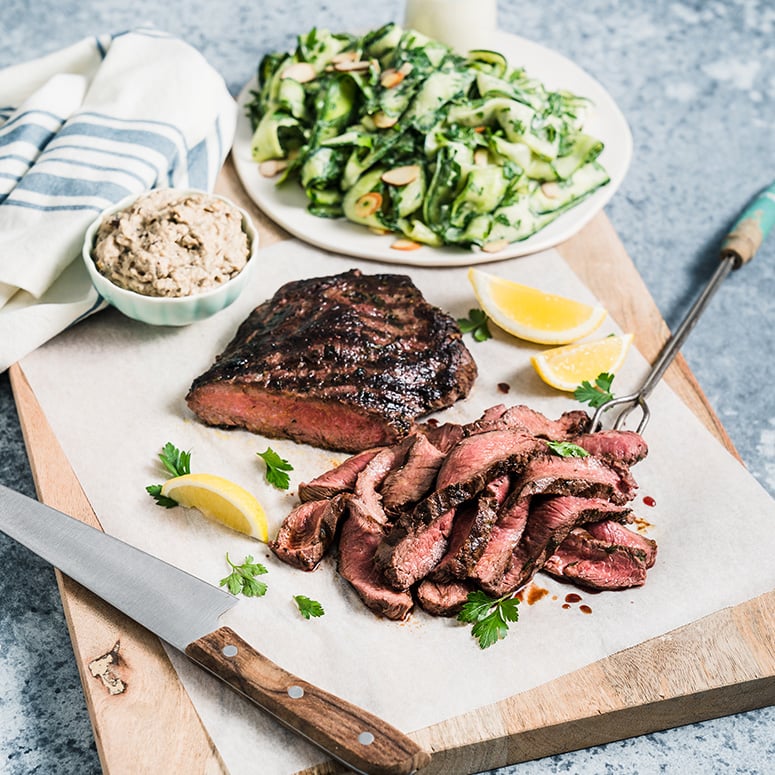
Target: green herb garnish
{"points": [[598, 394], [276, 468], [490, 616], [176, 463], [476, 324], [242, 578], [307, 607], [567, 449]]}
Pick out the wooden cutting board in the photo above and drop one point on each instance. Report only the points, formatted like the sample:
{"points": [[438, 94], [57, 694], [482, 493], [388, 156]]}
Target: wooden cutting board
{"points": [[144, 720]]}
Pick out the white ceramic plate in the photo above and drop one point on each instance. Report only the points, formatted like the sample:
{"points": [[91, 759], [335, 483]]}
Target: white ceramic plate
{"points": [[286, 205]]}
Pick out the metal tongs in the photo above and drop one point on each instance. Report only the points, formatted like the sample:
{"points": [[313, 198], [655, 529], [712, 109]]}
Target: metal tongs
{"points": [[738, 248]]}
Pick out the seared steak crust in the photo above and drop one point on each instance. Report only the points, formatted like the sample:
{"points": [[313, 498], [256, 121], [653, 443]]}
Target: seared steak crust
{"points": [[347, 362]]}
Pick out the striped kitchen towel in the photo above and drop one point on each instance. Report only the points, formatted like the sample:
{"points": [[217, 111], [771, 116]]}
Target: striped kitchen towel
{"points": [[81, 129]]}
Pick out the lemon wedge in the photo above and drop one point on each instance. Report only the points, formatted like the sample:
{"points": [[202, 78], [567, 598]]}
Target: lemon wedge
{"points": [[221, 500], [531, 314], [565, 368]]}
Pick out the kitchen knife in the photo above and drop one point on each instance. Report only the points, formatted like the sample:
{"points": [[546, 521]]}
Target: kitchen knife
{"points": [[184, 611]]}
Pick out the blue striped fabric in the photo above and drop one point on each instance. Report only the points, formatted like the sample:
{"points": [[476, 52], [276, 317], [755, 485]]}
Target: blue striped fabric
{"points": [[81, 129]]}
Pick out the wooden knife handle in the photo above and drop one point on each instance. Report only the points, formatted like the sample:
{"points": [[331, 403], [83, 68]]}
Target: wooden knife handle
{"points": [[357, 738]]}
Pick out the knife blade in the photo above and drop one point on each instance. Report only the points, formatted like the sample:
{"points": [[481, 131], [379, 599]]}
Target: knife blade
{"points": [[184, 611]]}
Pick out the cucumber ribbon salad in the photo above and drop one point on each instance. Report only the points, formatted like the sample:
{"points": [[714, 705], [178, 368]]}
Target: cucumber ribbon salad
{"points": [[394, 131]]}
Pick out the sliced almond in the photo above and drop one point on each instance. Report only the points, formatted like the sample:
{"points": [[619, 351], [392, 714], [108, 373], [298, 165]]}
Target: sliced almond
{"points": [[401, 176], [481, 157], [406, 68], [345, 56], [383, 121], [405, 244], [495, 246], [391, 78], [272, 167], [302, 72], [379, 232], [352, 67], [550, 190], [368, 204]]}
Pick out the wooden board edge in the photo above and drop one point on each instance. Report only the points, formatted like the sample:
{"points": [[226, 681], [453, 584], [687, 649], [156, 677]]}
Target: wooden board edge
{"points": [[131, 689]]}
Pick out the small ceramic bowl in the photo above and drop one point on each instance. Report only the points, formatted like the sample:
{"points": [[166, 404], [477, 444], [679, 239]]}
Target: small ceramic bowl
{"points": [[167, 310]]}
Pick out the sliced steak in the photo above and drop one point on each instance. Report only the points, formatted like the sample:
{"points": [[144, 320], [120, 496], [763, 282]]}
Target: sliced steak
{"points": [[339, 479], [443, 598], [308, 531], [344, 362], [590, 562], [409, 552], [359, 538], [471, 530], [587, 477], [628, 447], [412, 481], [550, 520], [615, 533], [504, 537]]}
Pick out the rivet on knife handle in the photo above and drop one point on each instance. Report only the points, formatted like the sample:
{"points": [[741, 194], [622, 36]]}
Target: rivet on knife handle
{"points": [[753, 225], [353, 736]]}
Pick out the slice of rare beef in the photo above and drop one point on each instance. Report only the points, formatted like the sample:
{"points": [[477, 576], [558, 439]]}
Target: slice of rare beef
{"points": [[443, 598], [308, 531], [591, 562], [550, 519], [628, 447], [615, 533], [344, 362], [341, 478], [412, 481]]}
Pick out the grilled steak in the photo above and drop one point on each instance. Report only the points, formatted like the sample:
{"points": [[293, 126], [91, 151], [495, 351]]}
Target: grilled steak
{"points": [[443, 598], [344, 362], [339, 479]]}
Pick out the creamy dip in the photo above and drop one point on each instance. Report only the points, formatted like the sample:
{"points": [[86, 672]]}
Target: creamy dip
{"points": [[172, 243]]}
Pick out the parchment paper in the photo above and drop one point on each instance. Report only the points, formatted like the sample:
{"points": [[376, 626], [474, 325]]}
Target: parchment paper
{"points": [[113, 391]]}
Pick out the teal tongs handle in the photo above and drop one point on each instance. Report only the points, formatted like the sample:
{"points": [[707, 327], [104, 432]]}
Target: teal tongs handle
{"points": [[753, 225]]}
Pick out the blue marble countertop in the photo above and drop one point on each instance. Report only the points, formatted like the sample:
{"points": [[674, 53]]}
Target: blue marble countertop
{"points": [[696, 82]]}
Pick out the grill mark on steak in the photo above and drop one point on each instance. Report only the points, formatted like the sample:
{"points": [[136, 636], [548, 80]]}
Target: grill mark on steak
{"points": [[308, 531], [347, 362]]}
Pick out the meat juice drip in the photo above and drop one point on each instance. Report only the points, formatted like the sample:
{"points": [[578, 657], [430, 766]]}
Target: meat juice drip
{"points": [[572, 598], [649, 501], [535, 593], [504, 387]]}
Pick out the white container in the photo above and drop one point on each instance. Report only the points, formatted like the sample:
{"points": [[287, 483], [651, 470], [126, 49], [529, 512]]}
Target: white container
{"points": [[169, 310], [461, 24]]}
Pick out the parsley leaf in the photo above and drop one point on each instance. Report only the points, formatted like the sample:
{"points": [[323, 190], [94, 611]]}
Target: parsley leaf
{"points": [[175, 463], [567, 449], [598, 394], [154, 490], [489, 616], [307, 607], [276, 468], [242, 578], [476, 324]]}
